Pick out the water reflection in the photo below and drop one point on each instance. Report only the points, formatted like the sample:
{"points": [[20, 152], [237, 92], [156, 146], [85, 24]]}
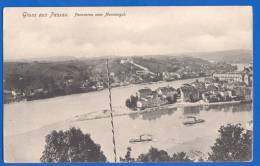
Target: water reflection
{"points": [[218, 108], [153, 115], [242, 107], [192, 110], [134, 115], [230, 107]]}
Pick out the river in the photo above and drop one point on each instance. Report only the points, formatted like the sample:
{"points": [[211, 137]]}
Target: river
{"points": [[27, 123]]}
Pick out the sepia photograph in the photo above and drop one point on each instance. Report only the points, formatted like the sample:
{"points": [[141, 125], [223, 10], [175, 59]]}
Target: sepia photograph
{"points": [[128, 84]]}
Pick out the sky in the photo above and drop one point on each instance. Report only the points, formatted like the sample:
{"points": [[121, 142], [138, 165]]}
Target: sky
{"points": [[127, 31]]}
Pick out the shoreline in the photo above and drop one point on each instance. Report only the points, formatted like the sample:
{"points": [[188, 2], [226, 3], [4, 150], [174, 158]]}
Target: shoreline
{"points": [[95, 91], [106, 113]]}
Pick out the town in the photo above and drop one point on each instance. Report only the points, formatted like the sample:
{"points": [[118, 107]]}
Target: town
{"points": [[40, 79], [221, 87]]}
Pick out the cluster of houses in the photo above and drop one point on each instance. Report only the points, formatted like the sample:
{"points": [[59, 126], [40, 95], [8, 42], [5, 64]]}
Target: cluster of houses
{"points": [[161, 96], [221, 87], [195, 71], [212, 89], [245, 76], [86, 85], [13, 95], [16, 95]]}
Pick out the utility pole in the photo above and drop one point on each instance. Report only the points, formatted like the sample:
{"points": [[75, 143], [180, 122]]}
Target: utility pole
{"points": [[111, 111]]}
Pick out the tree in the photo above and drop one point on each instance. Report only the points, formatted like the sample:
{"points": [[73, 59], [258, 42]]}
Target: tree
{"points": [[155, 155], [128, 103], [128, 154], [128, 157], [180, 157], [233, 144], [131, 103], [71, 146], [171, 99], [133, 100]]}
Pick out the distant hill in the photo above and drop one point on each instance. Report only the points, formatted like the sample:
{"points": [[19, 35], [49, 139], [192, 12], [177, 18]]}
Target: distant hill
{"points": [[229, 56], [52, 74], [45, 59]]}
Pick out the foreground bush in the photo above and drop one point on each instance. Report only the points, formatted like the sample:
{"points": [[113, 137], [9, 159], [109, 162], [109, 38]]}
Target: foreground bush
{"points": [[71, 146], [233, 144], [155, 155]]}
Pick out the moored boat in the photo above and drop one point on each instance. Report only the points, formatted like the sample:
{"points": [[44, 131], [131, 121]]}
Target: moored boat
{"points": [[142, 138], [194, 120]]}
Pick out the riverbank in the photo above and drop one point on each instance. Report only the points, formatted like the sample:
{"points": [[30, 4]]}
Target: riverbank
{"points": [[21, 117], [51, 95], [106, 113]]}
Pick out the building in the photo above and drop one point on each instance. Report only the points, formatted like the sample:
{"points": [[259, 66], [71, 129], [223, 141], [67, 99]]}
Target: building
{"points": [[225, 95], [153, 100], [245, 76], [230, 77], [232, 85], [249, 125], [168, 93], [244, 93], [170, 76], [212, 88], [248, 75], [100, 85], [211, 98], [68, 80], [189, 93], [8, 96], [143, 93], [248, 79], [200, 86]]}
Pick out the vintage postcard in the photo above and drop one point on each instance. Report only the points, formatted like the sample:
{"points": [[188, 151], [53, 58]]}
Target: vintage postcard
{"points": [[128, 84]]}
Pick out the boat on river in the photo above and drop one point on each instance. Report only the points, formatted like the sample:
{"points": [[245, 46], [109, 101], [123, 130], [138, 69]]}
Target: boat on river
{"points": [[142, 138], [193, 120]]}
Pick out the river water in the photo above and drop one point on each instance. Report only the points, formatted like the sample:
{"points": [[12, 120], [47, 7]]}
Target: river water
{"points": [[27, 123]]}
